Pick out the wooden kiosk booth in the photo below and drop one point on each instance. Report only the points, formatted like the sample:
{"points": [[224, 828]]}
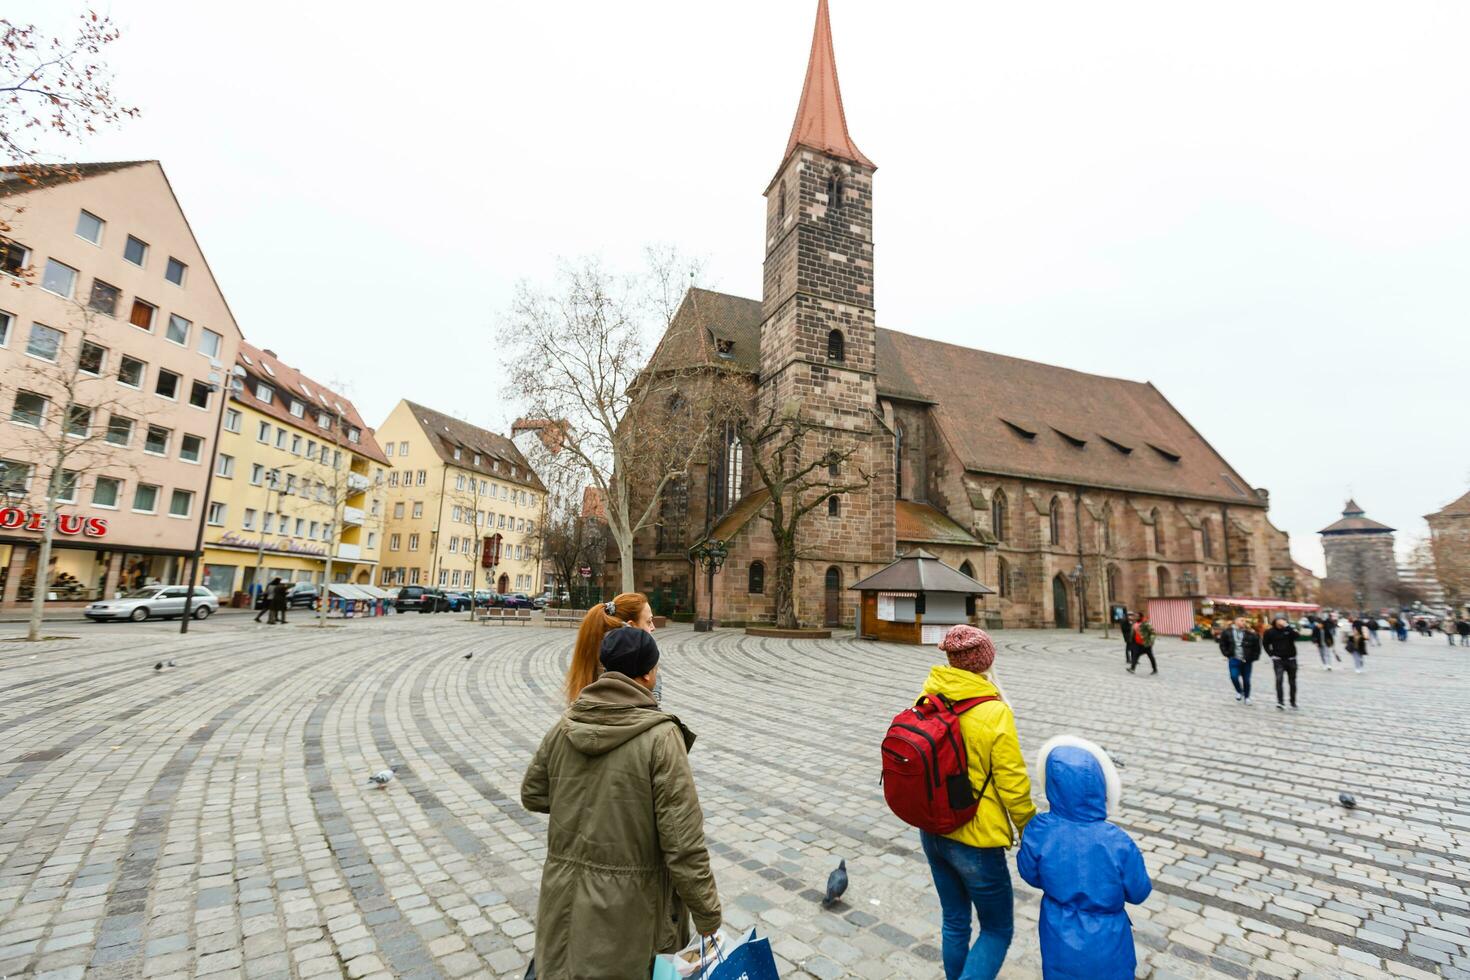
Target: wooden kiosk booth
{"points": [[915, 600]]}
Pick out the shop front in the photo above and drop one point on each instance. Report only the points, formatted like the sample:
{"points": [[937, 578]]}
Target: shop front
{"points": [[80, 572], [238, 565]]}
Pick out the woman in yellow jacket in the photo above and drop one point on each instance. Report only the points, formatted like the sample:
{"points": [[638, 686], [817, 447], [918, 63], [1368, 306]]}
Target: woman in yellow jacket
{"points": [[969, 865]]}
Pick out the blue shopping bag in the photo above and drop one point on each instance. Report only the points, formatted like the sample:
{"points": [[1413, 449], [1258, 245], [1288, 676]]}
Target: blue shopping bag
{"points": [[750, 960]]}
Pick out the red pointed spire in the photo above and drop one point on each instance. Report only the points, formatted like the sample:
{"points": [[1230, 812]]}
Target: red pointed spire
{"points": [[820, 122]]}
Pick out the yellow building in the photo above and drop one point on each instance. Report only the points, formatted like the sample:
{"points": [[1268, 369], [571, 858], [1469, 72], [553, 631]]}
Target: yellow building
{"points": [[298, 480], [451, 488]]}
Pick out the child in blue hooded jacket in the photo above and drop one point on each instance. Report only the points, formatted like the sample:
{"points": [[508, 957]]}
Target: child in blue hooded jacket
{"points": [[1086, 867]]}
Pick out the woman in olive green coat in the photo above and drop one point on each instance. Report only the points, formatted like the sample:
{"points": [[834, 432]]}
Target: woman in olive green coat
{"points": [[625, 856]]}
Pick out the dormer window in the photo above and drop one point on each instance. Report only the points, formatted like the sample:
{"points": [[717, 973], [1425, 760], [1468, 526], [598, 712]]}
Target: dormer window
{"points": [[836, 346]]}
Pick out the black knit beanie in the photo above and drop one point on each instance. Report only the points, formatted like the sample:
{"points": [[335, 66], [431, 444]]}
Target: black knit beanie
{"points": [[629, 651]]}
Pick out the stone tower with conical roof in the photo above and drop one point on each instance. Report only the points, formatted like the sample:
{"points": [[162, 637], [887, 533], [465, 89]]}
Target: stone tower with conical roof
{"points": [[818, 331], [1359, 551]]}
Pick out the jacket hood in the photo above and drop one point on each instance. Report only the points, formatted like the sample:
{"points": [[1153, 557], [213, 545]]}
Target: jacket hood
{"points": [[1079, 778], [611, 711], [957, 684]]}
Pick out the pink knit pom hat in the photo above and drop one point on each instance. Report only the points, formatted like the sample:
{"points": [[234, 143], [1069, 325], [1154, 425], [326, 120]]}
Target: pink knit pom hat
{"points": [[968, 648]]}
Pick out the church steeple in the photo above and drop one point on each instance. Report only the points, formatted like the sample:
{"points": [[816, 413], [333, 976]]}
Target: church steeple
{"points": [[820, 123]]}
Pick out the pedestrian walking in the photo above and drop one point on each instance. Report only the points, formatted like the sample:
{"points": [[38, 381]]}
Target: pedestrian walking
{"points": [[1462, 627], [1125, 626], [1323, 639], [1447, 626], [1372, 623], [969, 864], [265, 600], [278, 601], [621, 610], [1357, 643], [1086, 867], [1241, 647], [626, 861], [1280, 645], [1143, 644]]}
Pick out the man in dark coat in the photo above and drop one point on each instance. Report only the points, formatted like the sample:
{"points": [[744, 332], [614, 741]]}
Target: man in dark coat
{"points": [[278, 600], [1126, 625], [1280, 643], [1240, 645], [626, 861]]}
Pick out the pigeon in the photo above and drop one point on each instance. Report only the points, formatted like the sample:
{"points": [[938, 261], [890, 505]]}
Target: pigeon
{"points": [[469, 655], [158, 666], [170, 664], [836, 884], [1117, 760], [1347, 800], [382, 777]]}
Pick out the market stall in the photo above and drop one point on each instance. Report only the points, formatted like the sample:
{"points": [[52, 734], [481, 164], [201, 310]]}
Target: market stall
{"points": [[915, 600], [1177, 615]]}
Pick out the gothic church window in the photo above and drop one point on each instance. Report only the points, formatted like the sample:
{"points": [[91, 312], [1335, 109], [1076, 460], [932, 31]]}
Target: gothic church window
{"points": [[1003, 577], [1206, 544], [834, 191], [1158, 522], [781, 203], [898, 460], [757, 583], [998, 515], [833, 507], [1055, 519], [836, 346]]}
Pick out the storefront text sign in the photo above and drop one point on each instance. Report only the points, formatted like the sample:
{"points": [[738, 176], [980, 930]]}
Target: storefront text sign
{"points": [[231, 539], [15, 519]]}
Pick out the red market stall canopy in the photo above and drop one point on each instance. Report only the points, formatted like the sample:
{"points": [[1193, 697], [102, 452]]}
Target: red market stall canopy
{"points": [[1281, 605], [1176, 616]]}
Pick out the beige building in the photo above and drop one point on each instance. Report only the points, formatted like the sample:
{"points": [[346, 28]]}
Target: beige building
{"points": [[452, 490], [298, 482], [115, 346]]}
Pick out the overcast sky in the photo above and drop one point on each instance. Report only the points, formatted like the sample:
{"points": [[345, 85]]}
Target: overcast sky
{"points": [[1261, 207]]}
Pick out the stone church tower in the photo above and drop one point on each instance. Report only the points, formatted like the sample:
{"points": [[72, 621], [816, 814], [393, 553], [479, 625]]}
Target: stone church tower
{"points": [[818, 339], [1360, 552]]}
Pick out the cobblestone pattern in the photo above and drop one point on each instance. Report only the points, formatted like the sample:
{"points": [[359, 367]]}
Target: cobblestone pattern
{"points": [[214, 819]]}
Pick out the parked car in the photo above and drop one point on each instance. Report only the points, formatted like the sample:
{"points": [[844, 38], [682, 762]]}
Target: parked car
{"points": [[420, 598], [458, 601], [484, 599], [301, 595], [154, 602], [517, 600]]}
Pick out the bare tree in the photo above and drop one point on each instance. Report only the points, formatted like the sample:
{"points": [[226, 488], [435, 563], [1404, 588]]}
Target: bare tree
{"points": [[1449, 549], [73, 420], [799, 481], [580, 356]]}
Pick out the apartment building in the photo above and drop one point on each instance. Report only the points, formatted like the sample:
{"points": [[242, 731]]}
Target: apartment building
{"points": [[462, 505], [297, 483], [115, 342]]}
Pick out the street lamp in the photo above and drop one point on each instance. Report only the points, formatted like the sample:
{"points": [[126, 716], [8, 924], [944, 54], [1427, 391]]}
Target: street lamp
{"points": [[710, 554], [219, 419], [1187, 582], [1079, 577]]}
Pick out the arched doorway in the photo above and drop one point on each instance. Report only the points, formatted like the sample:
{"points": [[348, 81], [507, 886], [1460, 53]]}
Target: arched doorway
{"points": [[833, 615], [1165, 581], [1061, 603], [503, 586]]}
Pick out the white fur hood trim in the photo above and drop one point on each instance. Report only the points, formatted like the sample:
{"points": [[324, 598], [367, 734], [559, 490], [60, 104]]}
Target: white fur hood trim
{"points": [[1111, 782]]}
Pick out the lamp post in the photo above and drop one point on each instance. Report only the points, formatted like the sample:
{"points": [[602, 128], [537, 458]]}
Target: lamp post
{"points": [[710, 554], [1079, 579], [1186, 583], [219, 421]]}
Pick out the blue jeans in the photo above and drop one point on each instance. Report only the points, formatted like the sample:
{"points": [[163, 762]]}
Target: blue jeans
{"points": [[1240, 676], [967, 877]]}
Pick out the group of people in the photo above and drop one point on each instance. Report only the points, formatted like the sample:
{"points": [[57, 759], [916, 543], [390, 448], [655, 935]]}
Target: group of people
{"points": [[275, 602], [627, 865]]}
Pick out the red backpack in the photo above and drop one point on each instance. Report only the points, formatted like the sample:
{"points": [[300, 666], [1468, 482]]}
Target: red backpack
{"points": [[926, 771]]}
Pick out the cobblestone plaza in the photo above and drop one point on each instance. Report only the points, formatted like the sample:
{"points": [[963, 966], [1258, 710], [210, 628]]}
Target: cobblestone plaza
{"points": [[214, 818]]}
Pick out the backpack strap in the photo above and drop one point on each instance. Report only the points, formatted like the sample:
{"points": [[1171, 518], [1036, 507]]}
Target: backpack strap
{"points": [[959, 708]]}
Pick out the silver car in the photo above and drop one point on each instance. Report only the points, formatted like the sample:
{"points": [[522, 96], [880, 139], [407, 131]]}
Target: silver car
{"points": [[154, 602]]}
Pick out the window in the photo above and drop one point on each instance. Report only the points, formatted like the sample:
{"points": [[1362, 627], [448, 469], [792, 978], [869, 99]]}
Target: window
{"points": [[1158, 522], [413, 542], [392, 478], [174, 271], [178, 330], [216, 513], [311, 449], [257, 474], [1165, 584], [757, 578], [403, 449], [167, 385], [1054, 520], [191, 448], [418, 509], [7, 319], [247, 521], [296, 444], [456, 456], [145, 499], [130, 371], [104, 297], [92, 359], [44, 342], [298, 409], [388, 450], [119, 430], [224, 466], [263, 433], [142, 314], [459, 480], [66, 493], [14, 257], [1115, 586], [398, 511], [135, 251], [106, 492], [30, 409], [199, 394], [300, 526], [1003, 578], [998, 516], [423, 477], [59, 278], [181, 503], [834, 191], [394, 540], [836, 346], [210, 343], [15, 477], [156, 441], [454, 546], [311, 529], [834, 507], [89, 227], [78, 421], [1107, 529], [263, 392], [323, 420], [280, 438], [1207, 545], [265, 523]]}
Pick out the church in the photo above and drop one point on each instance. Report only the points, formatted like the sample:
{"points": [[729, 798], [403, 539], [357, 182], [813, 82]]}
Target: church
{"points": [[1064, 492]]}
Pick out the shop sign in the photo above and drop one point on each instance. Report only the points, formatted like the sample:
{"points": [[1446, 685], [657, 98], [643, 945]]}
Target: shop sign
{"points": [[16, 519], [231, 539]]}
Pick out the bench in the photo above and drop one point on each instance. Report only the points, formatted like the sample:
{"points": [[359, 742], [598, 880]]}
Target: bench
{"points": [[506, 617], [564, 617]]}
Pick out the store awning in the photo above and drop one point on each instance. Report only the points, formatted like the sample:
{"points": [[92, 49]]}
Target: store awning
{"points": [[342, 590], [1247, 602]]}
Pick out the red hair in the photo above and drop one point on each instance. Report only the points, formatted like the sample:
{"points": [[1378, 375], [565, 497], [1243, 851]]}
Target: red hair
{"points": [[586, 663]]}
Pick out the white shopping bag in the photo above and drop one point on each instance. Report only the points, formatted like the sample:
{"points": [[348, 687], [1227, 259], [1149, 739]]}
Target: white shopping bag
{"points": [[691, 961]]}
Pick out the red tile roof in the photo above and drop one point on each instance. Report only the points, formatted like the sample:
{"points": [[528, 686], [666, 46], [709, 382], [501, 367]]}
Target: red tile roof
{"points": [[821, 123], [263, 365], [915, 522], [448, 433], [1457, 508]]}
